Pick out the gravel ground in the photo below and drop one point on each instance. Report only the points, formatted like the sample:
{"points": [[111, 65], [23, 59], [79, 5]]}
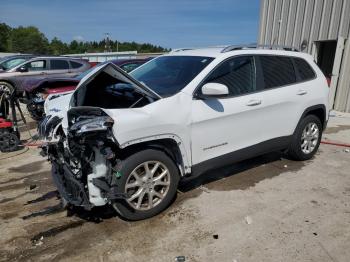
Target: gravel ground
{"points": [[264, 209]]}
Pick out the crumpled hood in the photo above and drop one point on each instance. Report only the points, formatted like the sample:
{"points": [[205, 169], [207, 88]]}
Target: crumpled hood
{"points": [[117, 73]]}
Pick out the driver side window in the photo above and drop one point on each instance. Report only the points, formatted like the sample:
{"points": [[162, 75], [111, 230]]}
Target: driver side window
{"points": [[237, 73], [38, 65]]}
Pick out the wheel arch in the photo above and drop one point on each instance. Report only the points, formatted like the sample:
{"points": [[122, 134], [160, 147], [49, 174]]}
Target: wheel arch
{"points": [[8, 81], [169, 144], [317, 110]]}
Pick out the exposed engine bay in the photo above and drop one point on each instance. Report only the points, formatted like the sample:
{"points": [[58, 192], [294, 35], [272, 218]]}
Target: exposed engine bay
{"points": [[85, 155], [111, 89], [83, 160]]}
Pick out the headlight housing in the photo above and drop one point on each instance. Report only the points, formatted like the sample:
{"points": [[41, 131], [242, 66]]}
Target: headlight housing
{"points": [[101, 123]]}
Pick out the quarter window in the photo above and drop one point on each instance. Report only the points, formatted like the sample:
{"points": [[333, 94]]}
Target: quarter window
{"points": [[304, 69], [59, 64], [237, 73], [277, 70]]}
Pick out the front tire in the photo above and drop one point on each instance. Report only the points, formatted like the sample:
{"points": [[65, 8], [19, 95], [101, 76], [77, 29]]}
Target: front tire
{"points": [[306, 138], [149, 178]]}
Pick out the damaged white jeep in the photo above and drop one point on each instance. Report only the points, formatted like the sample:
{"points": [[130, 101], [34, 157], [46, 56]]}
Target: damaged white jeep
{"points": [[126, 140]]}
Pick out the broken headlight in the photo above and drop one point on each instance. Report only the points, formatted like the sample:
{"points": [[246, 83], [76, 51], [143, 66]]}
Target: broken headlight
{"points": [[101, 123]]}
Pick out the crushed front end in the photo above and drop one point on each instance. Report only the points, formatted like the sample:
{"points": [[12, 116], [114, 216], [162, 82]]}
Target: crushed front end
{"points": [[83, 157]]}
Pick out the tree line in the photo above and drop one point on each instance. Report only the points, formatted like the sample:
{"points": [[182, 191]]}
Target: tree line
{"points": [[29, 39]]}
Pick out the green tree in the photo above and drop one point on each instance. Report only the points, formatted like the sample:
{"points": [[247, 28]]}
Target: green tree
{"points": [[31, 40], [28, 40], [5, 32], [57, 47]]}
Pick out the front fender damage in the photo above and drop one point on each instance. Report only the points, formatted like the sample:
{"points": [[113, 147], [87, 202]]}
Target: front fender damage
{"points": [[83, 158]]}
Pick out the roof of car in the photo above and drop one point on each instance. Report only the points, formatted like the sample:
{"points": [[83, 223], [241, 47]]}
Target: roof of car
{"points": [[224, 51], [206, 51], [58, 57], [16, 56]]}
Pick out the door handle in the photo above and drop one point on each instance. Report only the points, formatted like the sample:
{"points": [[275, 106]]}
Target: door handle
{"points": [[301, 92], [254, 103]]}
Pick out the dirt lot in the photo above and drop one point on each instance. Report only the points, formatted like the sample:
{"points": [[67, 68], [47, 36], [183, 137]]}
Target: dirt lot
{"points": [[265, 209]]}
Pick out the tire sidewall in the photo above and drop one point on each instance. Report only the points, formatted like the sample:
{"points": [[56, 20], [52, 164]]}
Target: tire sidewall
{"points": [[10, 86], [126, 166], [297, 137]]}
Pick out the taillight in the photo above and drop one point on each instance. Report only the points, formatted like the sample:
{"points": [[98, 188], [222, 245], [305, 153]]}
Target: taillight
{"points": [[328, 81]]}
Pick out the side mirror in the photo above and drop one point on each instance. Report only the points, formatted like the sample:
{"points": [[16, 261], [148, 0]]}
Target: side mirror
{"points": [[22, 69], [214, 89]]}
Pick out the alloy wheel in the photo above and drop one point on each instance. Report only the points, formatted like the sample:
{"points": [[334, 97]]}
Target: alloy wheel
{"points": [[147, 185], [309, 138]]}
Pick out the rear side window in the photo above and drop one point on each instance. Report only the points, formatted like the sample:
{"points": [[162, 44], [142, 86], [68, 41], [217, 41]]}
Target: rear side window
{"points": [[75, 64], [59, 64], [237, 73], [277, 70], [304, 69]]}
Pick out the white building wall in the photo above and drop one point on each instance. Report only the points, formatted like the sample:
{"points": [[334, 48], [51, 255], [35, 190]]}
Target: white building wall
{"points": [[290, 22]]}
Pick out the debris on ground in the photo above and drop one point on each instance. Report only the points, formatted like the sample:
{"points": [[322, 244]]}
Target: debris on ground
{"points": [[204, 189], [216, 236], [180, 259], [285, 166], [39, 242], [347, 150], [248, 220], [31, 187]]}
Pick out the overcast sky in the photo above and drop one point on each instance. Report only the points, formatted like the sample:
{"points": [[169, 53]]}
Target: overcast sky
{"points": [[172, 24]]}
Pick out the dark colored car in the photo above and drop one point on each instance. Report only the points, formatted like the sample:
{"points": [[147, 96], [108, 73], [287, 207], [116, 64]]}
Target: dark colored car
{"points": [[41, 67], [9, 62], [38, 88], [130, 64]]}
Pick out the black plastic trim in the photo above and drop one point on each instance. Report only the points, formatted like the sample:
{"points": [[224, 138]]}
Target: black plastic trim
{"points": [[271, 145], [315, 107]]}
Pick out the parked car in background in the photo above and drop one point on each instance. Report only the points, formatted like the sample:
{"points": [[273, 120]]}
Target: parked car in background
{"points": [[130, 64], [15, 77], [9, 62], [39, 87], [126, 140]]}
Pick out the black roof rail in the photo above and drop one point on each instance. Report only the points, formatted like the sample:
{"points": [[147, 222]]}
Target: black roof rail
{"points": [[272, 47]]}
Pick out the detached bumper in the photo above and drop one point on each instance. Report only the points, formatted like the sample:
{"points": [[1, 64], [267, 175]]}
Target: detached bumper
{"points": [[47, 126], [69, 188]]}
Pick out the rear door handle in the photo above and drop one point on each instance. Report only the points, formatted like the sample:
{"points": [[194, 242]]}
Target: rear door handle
{"points": [[254, 102], [301, 92]]}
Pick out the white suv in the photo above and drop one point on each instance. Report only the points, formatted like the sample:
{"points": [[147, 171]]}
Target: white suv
{"points": [[126, 140]]}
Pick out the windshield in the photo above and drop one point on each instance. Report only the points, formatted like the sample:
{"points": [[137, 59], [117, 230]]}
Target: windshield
{"points": [[167, 75], [11, 63]]}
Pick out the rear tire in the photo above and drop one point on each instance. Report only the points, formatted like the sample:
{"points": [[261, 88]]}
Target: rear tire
{"points": [[306, 138], [150, 179]]}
